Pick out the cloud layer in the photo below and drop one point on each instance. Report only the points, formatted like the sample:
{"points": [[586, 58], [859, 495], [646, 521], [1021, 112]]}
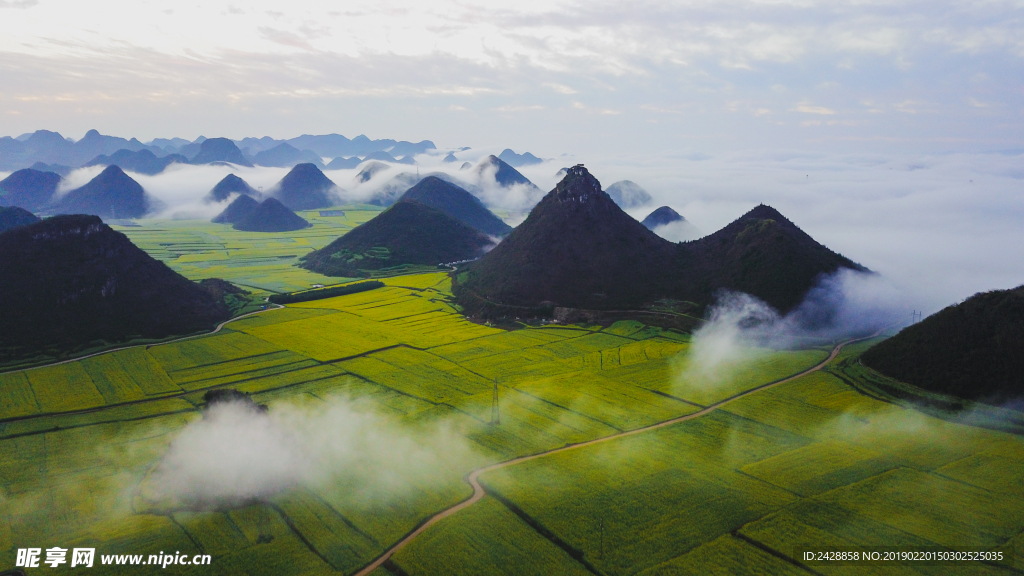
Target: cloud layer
{"points": [[548, 76], [939, 227]]}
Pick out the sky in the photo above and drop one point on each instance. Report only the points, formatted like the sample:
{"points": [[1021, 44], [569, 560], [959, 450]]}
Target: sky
{"points": [[552, 76], [892, 132]]}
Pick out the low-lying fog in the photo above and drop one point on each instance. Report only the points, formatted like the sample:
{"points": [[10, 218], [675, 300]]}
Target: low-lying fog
{"points": [[235, 454], [939, 227]]}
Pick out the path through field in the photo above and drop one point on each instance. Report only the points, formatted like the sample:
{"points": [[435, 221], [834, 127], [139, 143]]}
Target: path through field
{"points": [[478, 490]]}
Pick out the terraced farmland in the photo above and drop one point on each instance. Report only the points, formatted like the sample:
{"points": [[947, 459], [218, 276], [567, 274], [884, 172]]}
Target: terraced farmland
{"points": [[805, 462]]}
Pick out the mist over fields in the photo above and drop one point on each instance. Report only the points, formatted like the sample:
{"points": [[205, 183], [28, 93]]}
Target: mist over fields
{"points": [[235, 453], [940, 227]]}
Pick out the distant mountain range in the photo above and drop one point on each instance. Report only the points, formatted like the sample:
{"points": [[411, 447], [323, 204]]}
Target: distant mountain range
{"points": [[47, 151], [141, 161], [341, 163], [114, 194], [70, 282], [285, 155], [970, 350], [578, 249], [512, 159], [52, 149]]}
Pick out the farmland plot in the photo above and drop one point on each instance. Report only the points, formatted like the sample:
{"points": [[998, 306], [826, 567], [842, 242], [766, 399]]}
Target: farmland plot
{"points": [[808, 461]]}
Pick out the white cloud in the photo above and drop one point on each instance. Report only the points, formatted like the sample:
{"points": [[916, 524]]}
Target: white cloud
{"points": [[519, 108], [560, 88], [808, 109]]}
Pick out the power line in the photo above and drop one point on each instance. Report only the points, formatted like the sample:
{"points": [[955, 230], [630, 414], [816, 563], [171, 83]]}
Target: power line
{"points": [[495, 410]]}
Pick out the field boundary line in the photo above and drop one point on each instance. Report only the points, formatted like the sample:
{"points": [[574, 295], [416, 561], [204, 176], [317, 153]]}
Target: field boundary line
{"points": [[147, 346], [772, 551], [172, 396], [473, 478]]}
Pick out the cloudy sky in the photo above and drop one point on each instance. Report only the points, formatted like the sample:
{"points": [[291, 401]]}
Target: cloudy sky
{"points": [[551, 76], [893, 132]]}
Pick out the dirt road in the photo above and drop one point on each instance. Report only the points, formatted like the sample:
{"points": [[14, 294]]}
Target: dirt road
{"points": [[478, 491]]}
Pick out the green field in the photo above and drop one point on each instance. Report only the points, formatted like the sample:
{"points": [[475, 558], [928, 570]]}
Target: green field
{"points": [[255, 260], [812, 461]]}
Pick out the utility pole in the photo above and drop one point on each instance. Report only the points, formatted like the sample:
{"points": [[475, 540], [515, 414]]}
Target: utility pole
{"points": [[495, 410], [602, 538]]}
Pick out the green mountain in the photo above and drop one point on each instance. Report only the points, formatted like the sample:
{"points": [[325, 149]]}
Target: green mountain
{"points": [[371, 169], [270, 216], [578, 249], [305, 188], [112, 194], [70, 282], [228, 185], [761, 253], [237, 211], [405, 233], [14, 217], [219, 150], [457, 203], [661, 217], [504, 174], [971, 350], [628, 194], [31, 189]]}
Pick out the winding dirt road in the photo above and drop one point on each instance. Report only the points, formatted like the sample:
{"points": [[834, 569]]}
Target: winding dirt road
{"points": [[478, 491]]}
